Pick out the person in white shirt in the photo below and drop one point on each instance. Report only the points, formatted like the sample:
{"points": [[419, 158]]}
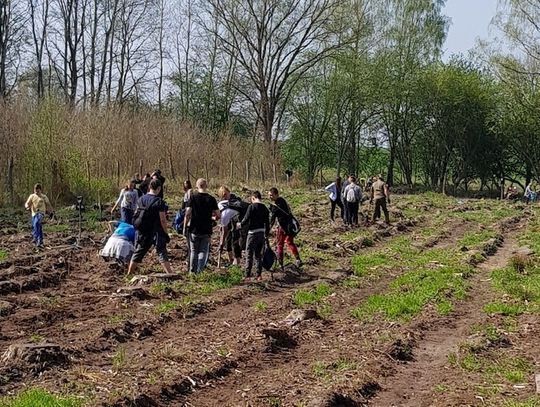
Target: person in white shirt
{"points": [[335, 189]]}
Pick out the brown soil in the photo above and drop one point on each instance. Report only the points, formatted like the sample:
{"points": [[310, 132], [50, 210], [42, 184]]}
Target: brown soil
{"points": [[96, 335], [414, 383]]}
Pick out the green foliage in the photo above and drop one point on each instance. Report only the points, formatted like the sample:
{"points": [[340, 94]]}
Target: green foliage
{"points": [[119, 358], [41, 398], [274, 402], [504, 309], [207, 282], [522, 286], [3, 254], [314, 296], [366, 264], [261, 306], [532, 402], [435, 276], [332, 370], [167, 306], [472, 239]]}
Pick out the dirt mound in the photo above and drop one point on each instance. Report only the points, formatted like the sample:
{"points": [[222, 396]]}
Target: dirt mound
{"points": [[402, 350], [36, 357], [369, 390], [298, 315], [6, 308], [278, 339], [127, 331]]}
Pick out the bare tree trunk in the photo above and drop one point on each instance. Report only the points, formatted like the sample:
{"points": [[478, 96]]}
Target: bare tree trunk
{"points": [[39, 41]]}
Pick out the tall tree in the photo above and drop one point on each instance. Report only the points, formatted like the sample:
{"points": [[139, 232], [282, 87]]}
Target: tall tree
{"points": [[412, 33], [13, 37], [275, 42]]}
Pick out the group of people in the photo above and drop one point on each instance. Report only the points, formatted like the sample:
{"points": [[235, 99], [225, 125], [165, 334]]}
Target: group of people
{"points": [[349, 195], [530, 195], [244, 226]]}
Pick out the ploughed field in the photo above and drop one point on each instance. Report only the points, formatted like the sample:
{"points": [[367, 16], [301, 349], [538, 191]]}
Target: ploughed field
{"points": [[438, 309]]}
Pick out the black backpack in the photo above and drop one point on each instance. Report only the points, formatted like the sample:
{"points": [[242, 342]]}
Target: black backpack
{"points": [[239, 206], [142, 218], [293, 226]]}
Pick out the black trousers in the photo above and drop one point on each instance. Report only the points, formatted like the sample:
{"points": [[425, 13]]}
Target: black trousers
{"points": [[352, 213], [333, 204]]}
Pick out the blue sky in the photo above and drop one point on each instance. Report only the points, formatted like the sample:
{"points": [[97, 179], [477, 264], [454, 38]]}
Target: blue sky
{"points": [[470, 20]]}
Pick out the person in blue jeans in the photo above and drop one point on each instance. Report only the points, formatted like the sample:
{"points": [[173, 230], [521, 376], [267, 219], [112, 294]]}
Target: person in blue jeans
{"points": [[128, 202], [38, 204], [201, 211]]}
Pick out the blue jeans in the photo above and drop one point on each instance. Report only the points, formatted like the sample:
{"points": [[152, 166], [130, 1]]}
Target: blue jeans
{"points": [[199, 251], [37, 229], [126, 215]]}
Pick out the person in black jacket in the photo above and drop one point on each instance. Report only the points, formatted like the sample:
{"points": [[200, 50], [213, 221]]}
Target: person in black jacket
{"points": [[257, 222], [282, 212]]}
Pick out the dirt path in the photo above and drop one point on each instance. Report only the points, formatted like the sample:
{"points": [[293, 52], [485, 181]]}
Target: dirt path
{"points": [[414, 383]]}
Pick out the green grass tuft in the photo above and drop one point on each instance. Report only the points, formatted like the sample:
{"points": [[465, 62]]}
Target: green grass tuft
{"points": [[41, 398], [472, 239], [365, 264], [532, 402], [314, 296], [505, 309]]}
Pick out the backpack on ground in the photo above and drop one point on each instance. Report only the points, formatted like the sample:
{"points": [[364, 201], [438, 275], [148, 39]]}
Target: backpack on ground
{"points": [[178, 222], [142, 217]]}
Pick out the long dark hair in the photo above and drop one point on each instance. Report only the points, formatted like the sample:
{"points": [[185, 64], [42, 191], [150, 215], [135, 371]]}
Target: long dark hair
{"points": [[338, 182]]}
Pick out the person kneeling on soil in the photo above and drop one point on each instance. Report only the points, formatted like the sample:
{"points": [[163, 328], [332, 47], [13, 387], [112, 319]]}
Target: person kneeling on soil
{"points": [[150, 221], [120, 245], [38, 203], [257, 222]]}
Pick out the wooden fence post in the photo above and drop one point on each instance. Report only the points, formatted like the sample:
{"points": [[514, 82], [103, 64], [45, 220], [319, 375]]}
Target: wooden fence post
{"points": [[261, 171], [88, 175], [141, 168], [187, 170], [206, 171], [247, 172], [10, 180], [171, 168], [275, 173], [118, 172], [231, 174]]}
